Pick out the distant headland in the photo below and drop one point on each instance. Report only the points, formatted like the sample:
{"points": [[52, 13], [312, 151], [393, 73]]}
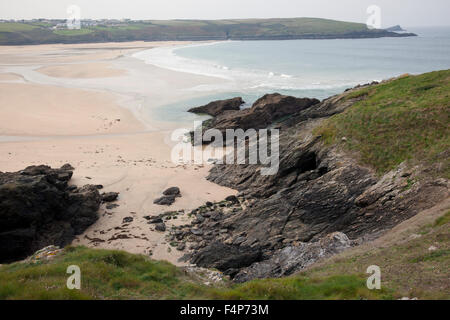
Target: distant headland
{"points": [[47, 31]]}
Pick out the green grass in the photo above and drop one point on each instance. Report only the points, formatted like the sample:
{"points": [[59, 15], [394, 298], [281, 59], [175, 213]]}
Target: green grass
{"points": [[432, 256], [408, 268], [442, 220], [104, 275], [402, 120], [336, 287], [73, 32], [156, 30], [16, 27], [119, 275]]}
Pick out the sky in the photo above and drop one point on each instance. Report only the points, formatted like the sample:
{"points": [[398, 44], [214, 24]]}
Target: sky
{"points": [[410, 13]]}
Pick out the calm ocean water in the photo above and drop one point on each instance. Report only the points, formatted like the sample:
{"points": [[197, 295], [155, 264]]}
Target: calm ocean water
{"points": [[304, 68]]}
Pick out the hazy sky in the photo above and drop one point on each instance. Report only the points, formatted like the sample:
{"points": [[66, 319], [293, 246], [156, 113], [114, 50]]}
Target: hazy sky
{"points": [[404, 12]]}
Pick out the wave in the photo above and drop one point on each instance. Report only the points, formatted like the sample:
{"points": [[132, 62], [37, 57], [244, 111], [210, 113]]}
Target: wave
{"points": [[165, 57], [237, 79]]}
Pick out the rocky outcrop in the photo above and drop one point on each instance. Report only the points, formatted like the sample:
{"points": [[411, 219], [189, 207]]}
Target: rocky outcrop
{"points": [[109, 196], [263, 113], [290, 259], [396, 28], [215, 108], [317, 191], [168, 197], [38, 208], [227, 258]]}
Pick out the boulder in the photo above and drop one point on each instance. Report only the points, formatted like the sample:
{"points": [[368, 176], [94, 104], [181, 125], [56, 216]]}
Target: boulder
{"points": [[38, 209], [127, 220], [109, 196], [160, 227], [232, 199], [165, 200], [215, 108], [224, 257], [168, 197], [154, 220], [173, 191]]}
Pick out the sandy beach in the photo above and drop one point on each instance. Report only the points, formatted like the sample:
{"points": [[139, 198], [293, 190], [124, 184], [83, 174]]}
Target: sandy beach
{"points": [[90, 105]]}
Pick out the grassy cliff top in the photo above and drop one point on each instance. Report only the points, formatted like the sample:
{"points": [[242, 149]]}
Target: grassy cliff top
{"points": [[54, 31], [406, 119]]}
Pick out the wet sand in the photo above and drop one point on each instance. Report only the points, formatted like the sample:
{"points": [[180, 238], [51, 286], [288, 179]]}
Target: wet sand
{"points": [[90, 105]]}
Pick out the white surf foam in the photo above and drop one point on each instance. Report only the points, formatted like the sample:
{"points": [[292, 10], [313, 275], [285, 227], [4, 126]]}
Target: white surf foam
{"points": [[239, 79]]}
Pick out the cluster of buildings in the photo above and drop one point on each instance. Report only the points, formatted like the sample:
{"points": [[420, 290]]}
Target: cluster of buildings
{"points": [[56, 24]]}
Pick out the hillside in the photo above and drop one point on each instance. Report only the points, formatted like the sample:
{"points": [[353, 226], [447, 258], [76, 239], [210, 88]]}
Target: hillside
{"points": [[54, 31], [397, 121], [120, 275]]}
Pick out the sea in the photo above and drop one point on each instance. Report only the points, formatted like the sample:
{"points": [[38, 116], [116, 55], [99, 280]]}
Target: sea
{"points": [[302, 68]]}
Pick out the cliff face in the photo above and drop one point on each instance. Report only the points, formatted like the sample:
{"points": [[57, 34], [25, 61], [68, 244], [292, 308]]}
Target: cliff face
{"points": [[38, 208], [319, 190]]}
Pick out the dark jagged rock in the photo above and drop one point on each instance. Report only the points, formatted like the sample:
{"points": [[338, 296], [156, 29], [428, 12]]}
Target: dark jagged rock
{"points": [[111, 206], [318, 190], [37, 209], [263, 112], [154, 220], [127, 220], [109, 196], [165, 200], [169, 196], [173, 191], [215, 108], [160, 227], [225, 257], [291, 259], [232, 199]]}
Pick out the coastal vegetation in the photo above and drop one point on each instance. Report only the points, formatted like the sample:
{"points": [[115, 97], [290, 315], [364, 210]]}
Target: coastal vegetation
{"points": [[108, 274], [401, 120], [55, 31]]}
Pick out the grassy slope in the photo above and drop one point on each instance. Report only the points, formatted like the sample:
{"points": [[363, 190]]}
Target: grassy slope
{"points": [[409, 268], [12, 33], [404, 119], [120, 275]]}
